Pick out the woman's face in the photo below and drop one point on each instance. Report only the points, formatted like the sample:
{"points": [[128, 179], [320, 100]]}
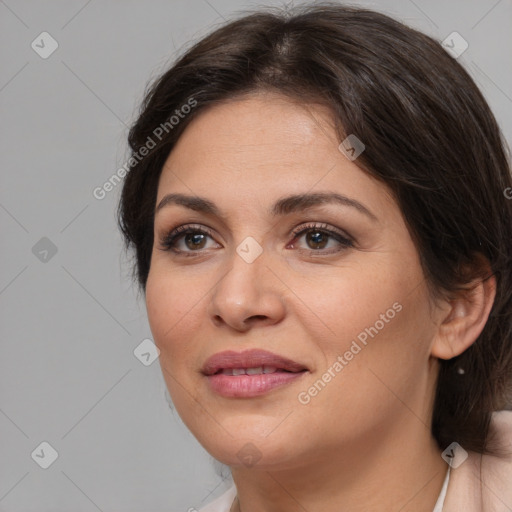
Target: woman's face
{"points": [[344, 297]]}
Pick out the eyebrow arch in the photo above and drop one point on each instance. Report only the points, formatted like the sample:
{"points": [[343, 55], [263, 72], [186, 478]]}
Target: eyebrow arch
{"points": [[283, 206]]}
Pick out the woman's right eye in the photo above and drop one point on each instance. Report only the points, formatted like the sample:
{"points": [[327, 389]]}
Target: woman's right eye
{"points": [[192, 237]]}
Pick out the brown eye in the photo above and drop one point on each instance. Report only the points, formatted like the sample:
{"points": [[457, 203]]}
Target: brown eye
{"points": [[317, 237], [192, 239], [195, 240]]}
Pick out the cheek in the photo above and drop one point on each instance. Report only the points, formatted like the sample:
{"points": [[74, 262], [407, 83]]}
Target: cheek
{"points": [[173, 315], [379, 323], [174, 309], [347, 301], [384, 351]]}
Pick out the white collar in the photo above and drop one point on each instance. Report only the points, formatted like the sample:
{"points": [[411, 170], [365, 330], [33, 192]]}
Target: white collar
{"points": [[442, 495]]}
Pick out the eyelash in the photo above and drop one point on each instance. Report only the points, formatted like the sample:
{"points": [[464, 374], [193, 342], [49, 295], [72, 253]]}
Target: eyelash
{"points": [[169, 240]]}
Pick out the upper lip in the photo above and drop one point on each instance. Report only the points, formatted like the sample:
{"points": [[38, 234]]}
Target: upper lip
{"points": [[249, 359]]}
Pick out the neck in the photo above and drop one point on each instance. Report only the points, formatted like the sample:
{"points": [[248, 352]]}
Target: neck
{"points": [[403, 471]]}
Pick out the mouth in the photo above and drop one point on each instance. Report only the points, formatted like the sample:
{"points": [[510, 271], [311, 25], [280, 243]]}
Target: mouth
{"points": [[251, 373], [250, 362], [258, 370]]}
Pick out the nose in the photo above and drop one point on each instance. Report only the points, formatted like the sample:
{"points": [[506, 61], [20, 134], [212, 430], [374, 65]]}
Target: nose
{"points": [[247, 294]]}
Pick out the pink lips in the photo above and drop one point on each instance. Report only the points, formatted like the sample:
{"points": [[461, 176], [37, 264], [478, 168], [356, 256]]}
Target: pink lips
{"points": [[249, 373]]}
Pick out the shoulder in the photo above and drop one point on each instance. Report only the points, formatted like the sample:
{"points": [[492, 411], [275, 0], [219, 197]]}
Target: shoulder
{"points": [[222, 503], [483, 483], [502, 425], [498, 469]]}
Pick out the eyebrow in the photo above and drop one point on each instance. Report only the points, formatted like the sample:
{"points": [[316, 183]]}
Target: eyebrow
{"points": [[283, 206]]}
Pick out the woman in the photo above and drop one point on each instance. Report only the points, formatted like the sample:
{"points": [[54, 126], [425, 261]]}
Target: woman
{"points": [[318, 205]]}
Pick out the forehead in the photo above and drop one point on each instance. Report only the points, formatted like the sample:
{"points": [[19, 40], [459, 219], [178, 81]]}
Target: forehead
{"points": [[260, 147], [267, 113], [266, 126]]}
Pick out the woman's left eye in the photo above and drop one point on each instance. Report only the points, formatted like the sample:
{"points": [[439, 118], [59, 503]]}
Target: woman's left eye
{"points": [[318, 236], [195, 237]]}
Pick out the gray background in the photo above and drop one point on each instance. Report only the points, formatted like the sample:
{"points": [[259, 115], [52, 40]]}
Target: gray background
{"points": [[71, 321]]}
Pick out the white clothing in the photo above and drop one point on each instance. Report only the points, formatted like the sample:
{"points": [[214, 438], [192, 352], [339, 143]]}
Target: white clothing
{"points": [[223, 502]]}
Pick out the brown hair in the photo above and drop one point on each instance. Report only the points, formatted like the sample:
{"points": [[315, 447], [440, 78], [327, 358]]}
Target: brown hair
{"points": [[429, 135]]}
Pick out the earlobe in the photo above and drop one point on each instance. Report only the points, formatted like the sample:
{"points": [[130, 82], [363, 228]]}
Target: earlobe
{"points": [[465, 320]]}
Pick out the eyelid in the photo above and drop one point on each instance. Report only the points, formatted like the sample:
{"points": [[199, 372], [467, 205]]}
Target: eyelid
{"points": [[173, 234], [345, 241], [321, 226]]}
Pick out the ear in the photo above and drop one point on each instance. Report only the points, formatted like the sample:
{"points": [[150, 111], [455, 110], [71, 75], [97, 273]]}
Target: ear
{"points": [[464, 318]]}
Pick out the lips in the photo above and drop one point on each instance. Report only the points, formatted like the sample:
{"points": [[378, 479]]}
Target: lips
{"points": [[250, 374], [249, 362]]}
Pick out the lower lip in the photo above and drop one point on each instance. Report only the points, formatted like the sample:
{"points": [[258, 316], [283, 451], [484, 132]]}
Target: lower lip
{"points": [[248, 386]]}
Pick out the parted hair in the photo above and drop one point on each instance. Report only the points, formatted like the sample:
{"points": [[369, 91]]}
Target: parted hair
{"points": [[429, 136]]}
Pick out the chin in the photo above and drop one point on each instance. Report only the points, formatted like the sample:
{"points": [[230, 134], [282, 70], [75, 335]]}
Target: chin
{"points": [[258, 455], [247, 447]]}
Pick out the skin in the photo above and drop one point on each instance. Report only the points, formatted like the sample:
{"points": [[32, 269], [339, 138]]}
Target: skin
{"points": [[363, 442]]}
